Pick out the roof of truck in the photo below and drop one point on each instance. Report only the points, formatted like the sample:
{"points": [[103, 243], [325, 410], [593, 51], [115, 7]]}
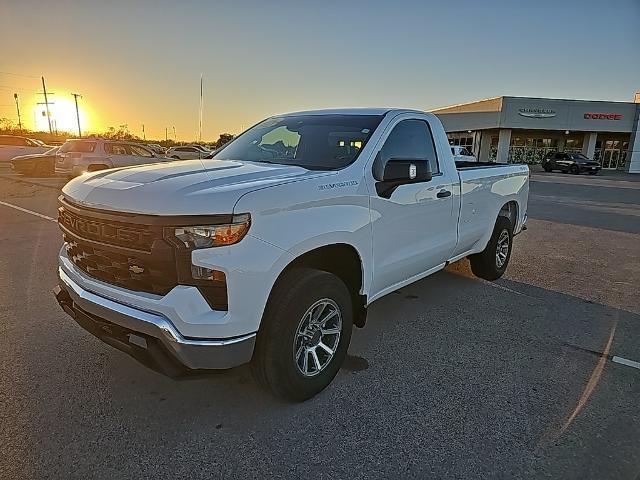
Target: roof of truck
{"points": [[353, 111]]}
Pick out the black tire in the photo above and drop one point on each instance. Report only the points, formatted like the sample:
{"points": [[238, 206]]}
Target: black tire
{"points": [[574, 170], [274, 364], [547, 168], [175, 157], [485, 264]]}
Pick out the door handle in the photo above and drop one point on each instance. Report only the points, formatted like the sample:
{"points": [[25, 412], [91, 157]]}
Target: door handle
{"points": [[443, 193]]}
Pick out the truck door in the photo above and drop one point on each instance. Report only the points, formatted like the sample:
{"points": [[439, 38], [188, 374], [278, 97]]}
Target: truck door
{"points": [[415, 229]]}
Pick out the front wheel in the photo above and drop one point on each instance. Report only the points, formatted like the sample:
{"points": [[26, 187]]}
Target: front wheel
{"points": [[492, 262], [547, 168], [575, 170], [304, 335]]}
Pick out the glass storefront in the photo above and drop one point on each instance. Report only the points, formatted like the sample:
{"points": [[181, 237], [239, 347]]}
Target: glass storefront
{"points": [[463, 139], [611, 153], [530, 150]]}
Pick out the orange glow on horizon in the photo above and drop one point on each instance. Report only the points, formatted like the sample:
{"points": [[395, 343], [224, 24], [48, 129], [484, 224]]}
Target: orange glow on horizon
{"points": [[62, 112]]}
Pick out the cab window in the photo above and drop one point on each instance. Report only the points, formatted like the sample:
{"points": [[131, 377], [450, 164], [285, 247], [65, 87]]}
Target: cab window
{"points": [[411, 139]]}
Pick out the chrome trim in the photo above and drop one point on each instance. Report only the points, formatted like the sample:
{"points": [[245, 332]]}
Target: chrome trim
{"points": [[195, 354]]}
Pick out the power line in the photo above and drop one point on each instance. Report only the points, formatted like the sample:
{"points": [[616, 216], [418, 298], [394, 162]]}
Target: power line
{"points": [[18, 74]]}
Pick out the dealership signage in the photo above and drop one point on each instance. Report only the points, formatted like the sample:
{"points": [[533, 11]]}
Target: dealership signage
{"points": [[536, 112], [602, 116]]}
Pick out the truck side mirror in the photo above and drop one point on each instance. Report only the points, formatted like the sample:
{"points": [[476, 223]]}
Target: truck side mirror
{"points": [[394, 172]]}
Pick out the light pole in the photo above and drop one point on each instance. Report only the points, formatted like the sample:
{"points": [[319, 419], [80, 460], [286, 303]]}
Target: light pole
{"points": [[75, 98], [174, 133], [15, 96], [144, 135]]}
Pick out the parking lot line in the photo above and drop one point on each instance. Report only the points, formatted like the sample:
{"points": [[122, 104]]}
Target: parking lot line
{"points": [[625, 361], [31, 212]]}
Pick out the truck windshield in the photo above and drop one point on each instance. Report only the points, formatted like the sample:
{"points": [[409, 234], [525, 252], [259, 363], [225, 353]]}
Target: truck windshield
{"points": [[315, 142]]}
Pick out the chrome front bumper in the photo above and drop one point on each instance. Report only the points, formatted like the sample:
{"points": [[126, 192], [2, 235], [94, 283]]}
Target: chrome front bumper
{"points": [[150, 338]]}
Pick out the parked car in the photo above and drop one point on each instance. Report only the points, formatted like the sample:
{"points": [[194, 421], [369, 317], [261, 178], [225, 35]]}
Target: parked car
{"points": [[575, 163], [80, 156], [462, 154], [37, 164], [159, 149], [270, 252], [187, 152], [12, 146]]}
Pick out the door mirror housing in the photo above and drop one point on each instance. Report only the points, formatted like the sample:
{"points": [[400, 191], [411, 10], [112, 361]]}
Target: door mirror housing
{"points": [[394, 172]]}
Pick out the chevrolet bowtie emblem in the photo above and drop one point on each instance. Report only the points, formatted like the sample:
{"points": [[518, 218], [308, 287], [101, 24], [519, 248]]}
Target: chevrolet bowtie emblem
{"points": [[136, 269]]}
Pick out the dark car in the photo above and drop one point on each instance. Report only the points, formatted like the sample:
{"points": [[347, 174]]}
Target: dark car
{"points": [[570, 162], [37, 164]]}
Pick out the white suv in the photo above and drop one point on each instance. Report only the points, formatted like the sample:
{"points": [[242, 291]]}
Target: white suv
{"points": [[187, 152], [78, 156]]}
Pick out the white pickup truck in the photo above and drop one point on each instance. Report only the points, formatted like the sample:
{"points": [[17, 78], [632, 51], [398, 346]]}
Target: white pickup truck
{"points": [[272, 250]]}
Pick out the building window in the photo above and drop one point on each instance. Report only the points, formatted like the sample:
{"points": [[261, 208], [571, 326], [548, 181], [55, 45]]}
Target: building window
{"points": [[573, 144], [463, 139], [530, 150]]}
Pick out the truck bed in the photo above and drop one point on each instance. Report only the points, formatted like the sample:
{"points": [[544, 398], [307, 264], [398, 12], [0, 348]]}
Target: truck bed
{"points": [[464, 165]]}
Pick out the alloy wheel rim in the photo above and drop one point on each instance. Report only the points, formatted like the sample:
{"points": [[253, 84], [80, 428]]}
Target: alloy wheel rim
{"points": [[502, 248], [317, 337]]}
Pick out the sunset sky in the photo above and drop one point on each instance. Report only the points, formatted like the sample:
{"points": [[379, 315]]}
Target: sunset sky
{"points": [[140, 62]]}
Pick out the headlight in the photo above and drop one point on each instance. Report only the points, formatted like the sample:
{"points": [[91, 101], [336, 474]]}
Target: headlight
{"points": [[207, 236]]}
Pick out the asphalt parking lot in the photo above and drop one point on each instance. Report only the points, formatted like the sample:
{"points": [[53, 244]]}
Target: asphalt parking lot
{"points": [[452, 377]]}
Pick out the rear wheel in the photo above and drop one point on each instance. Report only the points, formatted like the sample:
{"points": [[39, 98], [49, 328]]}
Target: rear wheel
{"points": [[574, 169], [492, 262], [304, 335], [547, 168]]}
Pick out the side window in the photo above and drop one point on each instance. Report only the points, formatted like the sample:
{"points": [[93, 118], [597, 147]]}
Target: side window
{"points": [[411, 139], [464, 151], [115, 149], [139, 151]]}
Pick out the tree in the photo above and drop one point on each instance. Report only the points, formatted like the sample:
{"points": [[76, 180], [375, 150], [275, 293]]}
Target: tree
{"points": [[120, 133], [224, 139]]}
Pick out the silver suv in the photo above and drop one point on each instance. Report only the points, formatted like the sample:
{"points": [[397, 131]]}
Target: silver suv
{"points": [[76, 157]]}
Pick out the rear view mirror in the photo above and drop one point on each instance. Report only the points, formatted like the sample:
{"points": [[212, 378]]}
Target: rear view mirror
{"points": [[394, 172], [406, 171]]}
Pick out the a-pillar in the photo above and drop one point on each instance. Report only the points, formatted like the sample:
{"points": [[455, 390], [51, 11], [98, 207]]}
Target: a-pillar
{"points": [[504, 140]]}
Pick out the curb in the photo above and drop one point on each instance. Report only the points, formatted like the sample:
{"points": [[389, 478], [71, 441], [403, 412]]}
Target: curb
{"points": [[29, 181]]}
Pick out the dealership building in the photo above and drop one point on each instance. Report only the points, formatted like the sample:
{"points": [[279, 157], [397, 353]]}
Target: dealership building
{"points": [[524, 130]]}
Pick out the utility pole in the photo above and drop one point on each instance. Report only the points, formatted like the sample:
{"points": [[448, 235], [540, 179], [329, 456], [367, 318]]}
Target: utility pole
{"points": [[75, 98], [144, 135], [46, 102], [15, 96], [174, 133], [200, 119], [165, 134]]}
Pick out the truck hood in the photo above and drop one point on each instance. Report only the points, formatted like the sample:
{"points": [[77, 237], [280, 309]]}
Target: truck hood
{"points": [[183, 187]]}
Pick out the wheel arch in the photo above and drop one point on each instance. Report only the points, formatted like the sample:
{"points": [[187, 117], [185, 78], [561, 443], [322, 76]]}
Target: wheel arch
{"points": [[342, 260], [511, 211]]}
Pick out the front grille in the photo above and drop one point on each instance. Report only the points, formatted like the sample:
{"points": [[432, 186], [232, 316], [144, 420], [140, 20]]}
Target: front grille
{"points": [[130, 251], [111, 232], [110, 249], [142, 273]]}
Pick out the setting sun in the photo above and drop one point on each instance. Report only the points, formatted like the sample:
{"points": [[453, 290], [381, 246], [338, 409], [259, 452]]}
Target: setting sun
{"points": [[63, 115]]}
